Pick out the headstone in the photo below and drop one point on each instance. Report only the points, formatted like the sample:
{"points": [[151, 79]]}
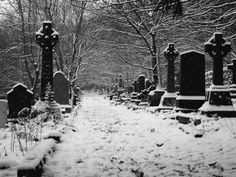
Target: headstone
{"points": [[120, 81], [168, 100], [18, 98], [3, 113], [138, 86], [192, 81], [61, 88], [47, 38], [135, 84], [218, 99], [121, 87], [141, 80]]}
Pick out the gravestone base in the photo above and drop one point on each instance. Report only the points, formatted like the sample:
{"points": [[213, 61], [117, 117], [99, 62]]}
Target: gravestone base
{"points": [[189, 103], [54, 108], [154, 96], [168, 101], [134, 98], [218, 102], [232, 89]]}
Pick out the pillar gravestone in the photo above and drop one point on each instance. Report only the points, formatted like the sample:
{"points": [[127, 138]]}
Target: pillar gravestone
{"points": [[18, 98], [3, 113], [47, 38], [135, 83], [218, 99], [192, 81], [168, 100], [61, 88], [120, 88]]}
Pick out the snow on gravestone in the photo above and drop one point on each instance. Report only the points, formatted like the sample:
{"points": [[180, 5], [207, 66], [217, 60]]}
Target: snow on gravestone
{"points": [[61, 88], [192, 80], [3, 113], [18, 98]]}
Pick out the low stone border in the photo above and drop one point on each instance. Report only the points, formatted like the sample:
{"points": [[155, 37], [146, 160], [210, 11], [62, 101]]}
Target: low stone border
{"points": [[32, 164]]}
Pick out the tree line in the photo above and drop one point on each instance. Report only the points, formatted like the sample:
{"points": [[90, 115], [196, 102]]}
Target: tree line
{"points": [[99, 39]]}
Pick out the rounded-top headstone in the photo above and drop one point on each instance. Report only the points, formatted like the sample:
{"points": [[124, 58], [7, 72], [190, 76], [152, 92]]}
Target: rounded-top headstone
{"points": [[60, 88]]}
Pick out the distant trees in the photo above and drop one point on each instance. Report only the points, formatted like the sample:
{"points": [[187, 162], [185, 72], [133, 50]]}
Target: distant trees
{"points": [[100, 39]]}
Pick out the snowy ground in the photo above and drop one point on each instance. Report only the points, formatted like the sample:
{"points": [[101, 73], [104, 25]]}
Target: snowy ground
{"points": [[110, 140]]}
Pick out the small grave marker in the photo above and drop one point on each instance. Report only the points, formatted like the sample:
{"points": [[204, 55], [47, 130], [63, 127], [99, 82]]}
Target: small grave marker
{"points": [[18, 98]]}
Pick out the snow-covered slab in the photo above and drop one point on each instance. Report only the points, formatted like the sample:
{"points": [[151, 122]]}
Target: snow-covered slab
{"points": [[33, 162]]}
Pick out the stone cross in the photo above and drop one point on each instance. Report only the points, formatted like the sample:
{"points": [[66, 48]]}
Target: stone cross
{"points": [[171, 53], [217, 47], [232, 68], [47, 38]]}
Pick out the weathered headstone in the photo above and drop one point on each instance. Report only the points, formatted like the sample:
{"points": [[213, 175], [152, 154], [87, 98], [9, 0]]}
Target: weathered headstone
{"points": [[47, 38], [61, 88], [168, 100], [218, 99], [3, 113], [192, 81], [18, 98]]}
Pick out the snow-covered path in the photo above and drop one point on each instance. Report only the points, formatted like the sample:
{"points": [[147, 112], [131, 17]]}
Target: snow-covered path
{"points": [[114, 141]]}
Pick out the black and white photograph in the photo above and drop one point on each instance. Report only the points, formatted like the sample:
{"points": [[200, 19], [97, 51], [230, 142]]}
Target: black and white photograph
{"points": [[117, 88]]}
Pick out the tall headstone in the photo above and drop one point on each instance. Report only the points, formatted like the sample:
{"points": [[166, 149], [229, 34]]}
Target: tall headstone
{"points": [[61, 88], [47, 38], [192, 81], [218, 99], [18, 98], [3, 113], [168, 100]]}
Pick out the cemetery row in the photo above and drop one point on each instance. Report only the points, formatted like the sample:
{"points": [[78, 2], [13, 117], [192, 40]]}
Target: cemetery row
{"points": [[28, 117], [56, 90], [192, 95]]}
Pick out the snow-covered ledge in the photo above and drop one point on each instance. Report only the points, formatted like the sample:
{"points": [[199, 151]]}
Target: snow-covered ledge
{"points": [[33, 162]]}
